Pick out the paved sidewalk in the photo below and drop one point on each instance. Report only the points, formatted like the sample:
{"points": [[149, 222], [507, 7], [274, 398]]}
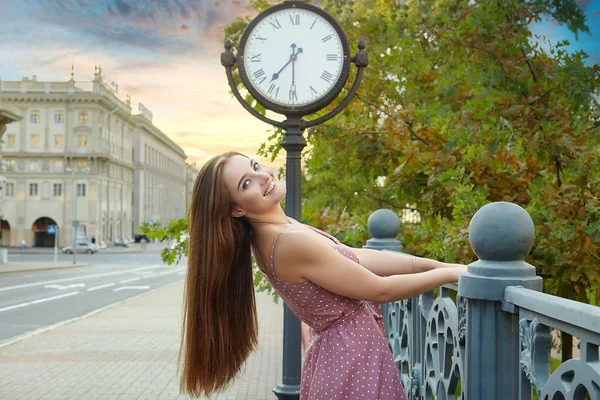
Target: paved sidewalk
{"points": [[129, 351], [27, 266], [131, 248]]}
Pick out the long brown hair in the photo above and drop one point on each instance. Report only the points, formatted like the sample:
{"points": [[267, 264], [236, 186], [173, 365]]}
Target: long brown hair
{"points": [[220, 326]]}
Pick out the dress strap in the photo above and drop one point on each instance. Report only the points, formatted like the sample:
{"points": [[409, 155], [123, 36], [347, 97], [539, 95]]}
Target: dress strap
{"points": [[273, 253]]}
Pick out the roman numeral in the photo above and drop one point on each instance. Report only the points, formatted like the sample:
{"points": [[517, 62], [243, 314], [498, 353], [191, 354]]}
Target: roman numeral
{"points": [[295, 19], [326, 38], [258, 37], [332, 57], [273, 89], [255, 58], [293, 96], [312, 89], [260, 74], [326, 76], [276, 24]]}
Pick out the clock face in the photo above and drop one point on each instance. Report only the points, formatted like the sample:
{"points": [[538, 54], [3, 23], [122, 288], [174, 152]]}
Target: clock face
{"points": [[294, 57]]}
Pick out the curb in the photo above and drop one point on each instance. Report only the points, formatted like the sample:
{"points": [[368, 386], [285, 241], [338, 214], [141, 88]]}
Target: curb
{"points": [[14, 271], [27, 335]]}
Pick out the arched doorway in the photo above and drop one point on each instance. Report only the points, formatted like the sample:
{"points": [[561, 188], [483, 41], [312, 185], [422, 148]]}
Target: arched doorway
{"points": [[41, 237], [4, 233]]}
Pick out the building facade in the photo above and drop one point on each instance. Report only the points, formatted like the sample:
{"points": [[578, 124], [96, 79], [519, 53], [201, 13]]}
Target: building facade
{"points": [[192, 174], [160, 174], [6, 117], [71, 162]]}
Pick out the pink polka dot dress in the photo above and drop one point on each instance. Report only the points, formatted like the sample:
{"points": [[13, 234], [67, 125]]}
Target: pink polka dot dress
{"points": [[347, 356]]}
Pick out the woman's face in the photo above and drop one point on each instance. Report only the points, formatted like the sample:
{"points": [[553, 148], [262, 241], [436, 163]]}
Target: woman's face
{"points": [[251, 186]]}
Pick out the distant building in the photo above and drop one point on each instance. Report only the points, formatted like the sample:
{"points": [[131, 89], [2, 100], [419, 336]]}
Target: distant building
{"points": [[6, 117], [192, 173], [82, 155]]}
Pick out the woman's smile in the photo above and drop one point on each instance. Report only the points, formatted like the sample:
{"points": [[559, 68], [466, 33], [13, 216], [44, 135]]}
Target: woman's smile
{"points": [[270, 188]]}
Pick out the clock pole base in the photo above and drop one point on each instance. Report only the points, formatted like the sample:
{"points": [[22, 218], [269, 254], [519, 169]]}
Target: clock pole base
{"points": [[287, 392]]}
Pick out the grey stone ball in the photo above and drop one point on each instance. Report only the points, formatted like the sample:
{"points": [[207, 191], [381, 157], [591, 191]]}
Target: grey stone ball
{"points": [[501, 231], [383, 224]]}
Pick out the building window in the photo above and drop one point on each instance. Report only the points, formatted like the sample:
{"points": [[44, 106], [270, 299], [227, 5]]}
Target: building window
{"points": [[12, 140], [81, 140], [59, 117], [35, 116], [81, 190], [10, 189], [11, 165], [33, 189], [83, 117], [58, 165], [35, 165], [35, 141], [82, 164], [59, 140], [57, 189]]}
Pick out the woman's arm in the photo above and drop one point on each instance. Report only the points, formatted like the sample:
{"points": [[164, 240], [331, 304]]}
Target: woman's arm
{"points": [[386, 263], [299, 255]]}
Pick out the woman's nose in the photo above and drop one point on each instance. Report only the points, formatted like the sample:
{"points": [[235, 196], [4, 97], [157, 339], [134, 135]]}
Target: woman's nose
{"points": [[265, 176]]}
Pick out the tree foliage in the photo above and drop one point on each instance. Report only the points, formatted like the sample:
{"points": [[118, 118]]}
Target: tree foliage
{"points": [[461, 106]]}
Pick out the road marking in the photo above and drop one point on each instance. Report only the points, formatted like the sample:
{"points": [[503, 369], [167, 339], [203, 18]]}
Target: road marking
{"points": [[130, 280], [149, 276], [12, 307], [131, 287], [168, 272], [60, 296], [61, 287], [101, 287], [182, 273], [77, 278]]}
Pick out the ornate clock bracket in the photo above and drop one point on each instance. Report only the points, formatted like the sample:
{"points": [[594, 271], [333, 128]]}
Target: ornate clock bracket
{"points": [[294, 121]]}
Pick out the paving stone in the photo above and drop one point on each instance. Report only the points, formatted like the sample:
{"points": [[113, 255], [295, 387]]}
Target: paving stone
{"points": [[130, 352]]}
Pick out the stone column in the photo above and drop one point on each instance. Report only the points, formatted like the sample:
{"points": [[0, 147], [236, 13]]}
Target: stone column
{"points": [[501, 235]]}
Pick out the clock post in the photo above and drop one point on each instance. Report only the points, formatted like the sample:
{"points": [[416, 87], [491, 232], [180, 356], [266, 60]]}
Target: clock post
{"points": [[310, 34]]}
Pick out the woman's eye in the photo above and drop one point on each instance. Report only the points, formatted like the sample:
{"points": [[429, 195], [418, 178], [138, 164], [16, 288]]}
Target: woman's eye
{"points": [[256, 166], [246, 183]]}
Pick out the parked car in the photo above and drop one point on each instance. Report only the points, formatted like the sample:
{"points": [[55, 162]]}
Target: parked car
{"points": [[138, 238], [81, 248], [121, 243]]}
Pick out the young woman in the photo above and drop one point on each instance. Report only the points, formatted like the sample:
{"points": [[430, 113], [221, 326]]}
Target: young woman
{"points": [[235, 212]]}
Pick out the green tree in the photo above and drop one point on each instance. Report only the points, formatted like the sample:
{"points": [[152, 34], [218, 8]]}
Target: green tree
{"points": [[461, 106]]}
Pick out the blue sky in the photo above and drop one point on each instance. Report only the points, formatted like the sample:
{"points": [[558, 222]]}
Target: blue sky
{"points": [[588, 42], [165, 54]]}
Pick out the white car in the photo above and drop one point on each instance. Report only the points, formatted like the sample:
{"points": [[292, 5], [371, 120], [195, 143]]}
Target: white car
{"points": [[81, 248]]}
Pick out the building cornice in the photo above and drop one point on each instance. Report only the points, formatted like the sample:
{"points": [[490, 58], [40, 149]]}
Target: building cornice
{"points": [[142, 122]]}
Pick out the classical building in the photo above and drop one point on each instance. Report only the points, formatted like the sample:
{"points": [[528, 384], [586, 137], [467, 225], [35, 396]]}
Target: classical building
{"points": [[160, 174], [81, 160], [192, 173], [6, 117]]}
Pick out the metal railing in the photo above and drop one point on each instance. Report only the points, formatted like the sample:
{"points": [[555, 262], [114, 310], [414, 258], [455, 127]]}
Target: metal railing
{"points": [[489, 336]]}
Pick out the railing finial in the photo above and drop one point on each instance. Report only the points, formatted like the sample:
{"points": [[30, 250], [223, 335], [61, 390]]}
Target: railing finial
{"points": [[501, 231], [384, 226]]}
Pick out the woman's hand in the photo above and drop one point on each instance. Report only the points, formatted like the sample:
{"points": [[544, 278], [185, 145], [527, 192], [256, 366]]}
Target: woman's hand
{"points": [[459, 269]]}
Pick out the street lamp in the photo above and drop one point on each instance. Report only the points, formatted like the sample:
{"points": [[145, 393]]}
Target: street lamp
{"points": [[75, 221], [276, 63]]}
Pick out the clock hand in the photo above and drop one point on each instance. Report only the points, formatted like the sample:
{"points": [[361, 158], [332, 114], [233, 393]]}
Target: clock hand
{"points": [[292, 58], [293, 67]]}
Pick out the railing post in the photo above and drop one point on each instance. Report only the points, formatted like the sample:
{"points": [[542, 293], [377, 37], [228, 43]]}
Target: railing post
{"points": [[384, 226], [402, 321], [501, 235]]}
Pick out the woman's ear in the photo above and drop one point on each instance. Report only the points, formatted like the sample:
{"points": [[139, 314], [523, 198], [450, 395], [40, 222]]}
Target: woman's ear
{"points": [[237, 213]]}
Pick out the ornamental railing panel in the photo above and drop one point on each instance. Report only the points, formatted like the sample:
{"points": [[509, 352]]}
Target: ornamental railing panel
{"points": [[489, 336]]}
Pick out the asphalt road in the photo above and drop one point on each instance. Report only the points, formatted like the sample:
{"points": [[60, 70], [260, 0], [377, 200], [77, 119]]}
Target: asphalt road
{"points": [[34, 300]]}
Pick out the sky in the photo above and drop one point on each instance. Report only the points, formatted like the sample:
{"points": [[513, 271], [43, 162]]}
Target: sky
{"points": [[166, 55]]}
